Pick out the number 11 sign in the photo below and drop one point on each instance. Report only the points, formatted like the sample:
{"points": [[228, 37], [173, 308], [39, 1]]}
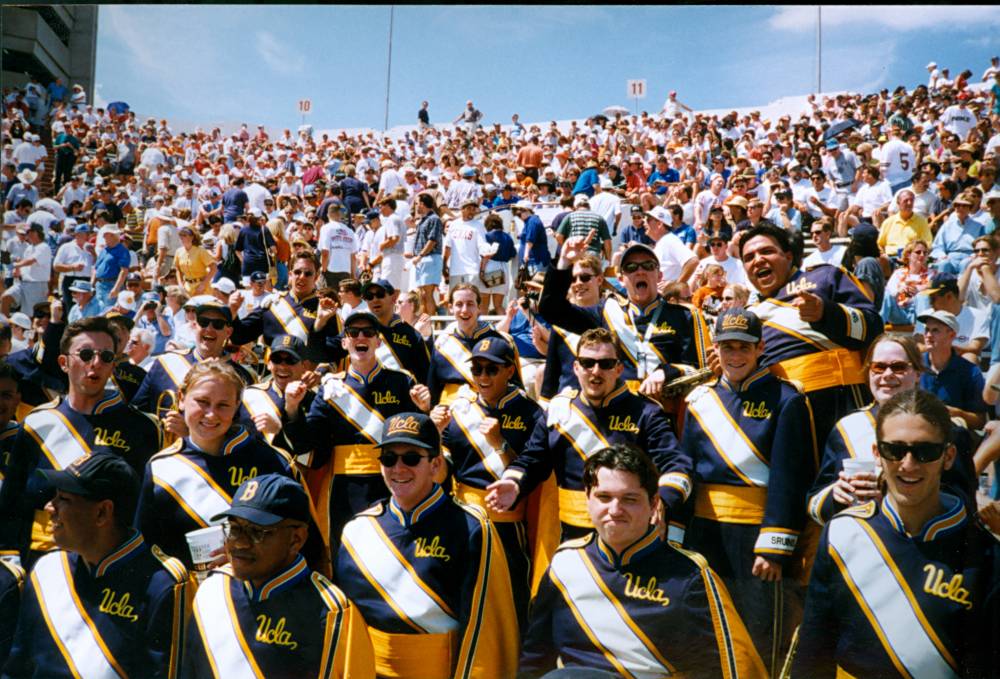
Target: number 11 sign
{"points": [[637, 90]]}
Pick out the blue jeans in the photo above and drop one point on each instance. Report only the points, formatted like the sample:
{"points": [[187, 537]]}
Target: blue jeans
{"points": [[429, 270], [103, 291], [282, 282]]}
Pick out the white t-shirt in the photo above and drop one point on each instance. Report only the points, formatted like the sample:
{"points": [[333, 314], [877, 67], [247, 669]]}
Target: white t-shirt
{"points": [[832, 256], [872, 196], [972, 324], [958, 120], [71, 253], [899, 161], [341, 243], [167, 239], [42, 268], [735, 273], [826, 196], [673, 255], [467, 242], [608, 205]]}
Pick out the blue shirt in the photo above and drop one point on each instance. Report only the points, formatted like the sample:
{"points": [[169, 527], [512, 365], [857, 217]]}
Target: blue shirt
{"points": [[253, 243], [670, 176], [520, 330], [686, 233], [632, 234], [534, 232], [960, 384], [234, 202], [159, 339], [111, 261], [586, 181], [506, 250]]}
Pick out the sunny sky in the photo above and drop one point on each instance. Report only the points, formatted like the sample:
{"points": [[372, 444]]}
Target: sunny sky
{"points": [[226, 63]]}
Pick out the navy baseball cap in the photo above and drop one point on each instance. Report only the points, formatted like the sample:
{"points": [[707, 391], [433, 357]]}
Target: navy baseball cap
{"points": [[287, 344], [258, 277], [204, 303], [81, 228], [942, 282], [414, 428], [268, 499], [379, 283], [738, 324], [361, 316], [102, 476], [372, 215], [637, 248], [495, 350]]}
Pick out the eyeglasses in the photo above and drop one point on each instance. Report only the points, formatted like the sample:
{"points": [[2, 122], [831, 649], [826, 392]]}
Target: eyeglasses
{"points": [[982, 251], [897, 367], [583, 277], [374, 294], [922, 451], [716, 243], [602, 363], [87, 355], [361, 332], [284, 359], [645, 265], [251, 534], [217, 323], [410, 459], [491, 370], [304, 273]]}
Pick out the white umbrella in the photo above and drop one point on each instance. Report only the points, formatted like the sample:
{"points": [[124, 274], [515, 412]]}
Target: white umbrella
{"points": [[614, 110]]}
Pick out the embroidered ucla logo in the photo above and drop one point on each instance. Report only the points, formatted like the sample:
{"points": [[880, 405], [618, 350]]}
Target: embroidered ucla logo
{"points": [[619, 423], [664, 329], [401, 339], [118, 606], [112, 440], [634, 589], [756, 410], [275, 634], [237, 475], [934, 584], [735, 322], [385, 398], [508, 422], [404, 425], [432, 549], [801, 285]]}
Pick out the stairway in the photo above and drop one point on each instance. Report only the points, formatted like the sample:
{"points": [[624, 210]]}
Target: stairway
{"points": [[46, 180]]}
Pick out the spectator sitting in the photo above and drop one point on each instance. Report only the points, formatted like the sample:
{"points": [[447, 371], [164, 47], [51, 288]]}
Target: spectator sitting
{"points": [[952, 246], [821, 232], [957, 382], [973, 329], [902, 302]]}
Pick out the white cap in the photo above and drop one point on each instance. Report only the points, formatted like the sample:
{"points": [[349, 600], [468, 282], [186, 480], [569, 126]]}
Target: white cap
{"points": [[126, 300], [933, 64], [21, 320], [660, 213], [581, 199], [224, 285]]}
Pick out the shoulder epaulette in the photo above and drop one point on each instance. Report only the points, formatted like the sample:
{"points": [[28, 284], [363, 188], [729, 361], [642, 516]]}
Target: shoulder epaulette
{"points": [[794, 384], [865, 511], [475, 510], [375, 510], [567, 392], [576, 543], [697, 558], [175, 567], [332, 596], [48, 405], [15, 570], [173, 448]]}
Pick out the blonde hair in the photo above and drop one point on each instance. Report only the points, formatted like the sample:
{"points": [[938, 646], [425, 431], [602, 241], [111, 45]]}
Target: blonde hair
{"points": [[277, 228], [212, 370]]}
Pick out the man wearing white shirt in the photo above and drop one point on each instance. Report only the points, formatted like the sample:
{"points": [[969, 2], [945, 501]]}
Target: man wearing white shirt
{"points": [[31, 273], [873, 194], [75, 261], [898, 160], [825, 253], [464, 245], [337, 245], [607, 204], [677, 261], [714, 195], [819, 200], [73, 190], [388, 244], [958, 120]]}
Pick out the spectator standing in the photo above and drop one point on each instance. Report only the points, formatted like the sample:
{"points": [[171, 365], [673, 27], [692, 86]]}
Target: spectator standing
{"points": [[337, 245], [580, 222], [255, 247], [234, 201], [66, 146], [428, 247], [465, 247], [31, 273]]}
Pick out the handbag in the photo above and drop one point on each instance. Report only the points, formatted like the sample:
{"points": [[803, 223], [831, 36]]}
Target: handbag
{"points": [[494, 278]]}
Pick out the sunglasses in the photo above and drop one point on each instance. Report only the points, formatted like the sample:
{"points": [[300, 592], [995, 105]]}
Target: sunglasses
{"points": [[982, 251], [374, 294], [645, 265], [923, 452], [897, 367], [217, 323], [716, 243], [361, 332], [602, 363], [411, 459], [251, 534], [583, 277], [304, 273], [491, 370], [87, 355], [284, 359]]}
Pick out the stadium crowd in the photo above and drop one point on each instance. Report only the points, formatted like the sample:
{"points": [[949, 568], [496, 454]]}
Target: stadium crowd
{"points": [[643, 395]]}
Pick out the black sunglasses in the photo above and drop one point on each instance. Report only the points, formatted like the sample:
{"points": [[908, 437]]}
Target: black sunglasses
{"points": [[645, 265], [491, 370], [583, 277], [923, 452], [217, 323], [304, 273], [602, 363], [411, 459], [367, 331], [374, 294], [106, 355], [284, 359]]}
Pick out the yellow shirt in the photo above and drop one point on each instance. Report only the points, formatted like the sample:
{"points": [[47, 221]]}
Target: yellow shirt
{"points": [[897, 232], [194, 265]]}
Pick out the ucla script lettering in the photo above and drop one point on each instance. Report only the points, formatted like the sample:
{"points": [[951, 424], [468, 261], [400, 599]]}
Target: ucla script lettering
{"points": [[115, 605], [275, 634], [952, 590], [634, 589], [432, 549]]}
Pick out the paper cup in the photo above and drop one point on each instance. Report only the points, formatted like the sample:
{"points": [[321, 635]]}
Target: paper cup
{"points": [[854, 466], [202, 543]]}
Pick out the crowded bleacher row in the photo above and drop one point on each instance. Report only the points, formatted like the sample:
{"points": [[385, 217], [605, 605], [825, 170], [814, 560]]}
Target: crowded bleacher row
{"points": [[645, 395]]}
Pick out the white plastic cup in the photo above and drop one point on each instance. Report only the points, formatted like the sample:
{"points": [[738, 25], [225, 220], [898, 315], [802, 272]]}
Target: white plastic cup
{"points": [[202, 543], [854, 466]]}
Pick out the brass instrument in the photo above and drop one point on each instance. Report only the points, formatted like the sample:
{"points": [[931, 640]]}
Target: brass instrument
{"points": [[681, 386], [786, 669]]}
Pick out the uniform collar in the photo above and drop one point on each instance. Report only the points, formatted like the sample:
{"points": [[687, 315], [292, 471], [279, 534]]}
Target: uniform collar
{"points": [[111, 398], [435, 499], [480, 329], [235, 437], [639, 312], [284, 580], [295, 300], [120, 555], [751, 380], [351, 372], [647, 544], [950, 519], [620, 389], [511, 394]]}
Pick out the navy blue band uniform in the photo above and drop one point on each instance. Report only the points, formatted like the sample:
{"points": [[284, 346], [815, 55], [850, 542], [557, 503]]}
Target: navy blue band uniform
{"points": [[266, 397], [883, 603], [158, 392], [127, 378], [12, 578], [652, 611], [286, 315], [575, 429], [9, 545], [434, 589], [297, 624], [752, 449], [823, 356], [403, 348], [183, 487], [475, 464], [52, 437], [450, 366], [123, 617], [559, 359], [679, 336], [341, 428], [853, 437]]}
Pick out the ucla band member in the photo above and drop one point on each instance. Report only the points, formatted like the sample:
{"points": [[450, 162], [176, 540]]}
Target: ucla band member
{"points": [[107, 603], [625, 600], [266, 613], [158, 393], [817, 321], [12, 578], [402, 347], [299, 312], [449, 369], [88, 420], [10, 399], [428, 572], [192, 480], [658, 340], [580, 423], [344, 425], [905, 587], [290, 386], [750, 436], [481, 432], [893, 365]]}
